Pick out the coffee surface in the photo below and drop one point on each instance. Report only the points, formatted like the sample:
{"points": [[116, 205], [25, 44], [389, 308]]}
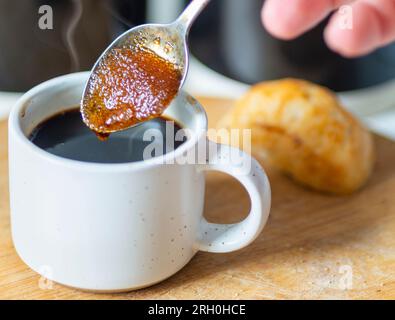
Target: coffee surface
{"points": [[130, 85], [65, 135]]}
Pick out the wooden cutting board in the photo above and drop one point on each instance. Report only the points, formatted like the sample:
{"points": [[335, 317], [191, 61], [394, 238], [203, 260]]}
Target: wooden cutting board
{"points": [[314, 245]]}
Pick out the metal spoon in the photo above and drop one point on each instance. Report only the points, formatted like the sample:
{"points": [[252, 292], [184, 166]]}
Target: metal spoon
{"points": [[169, 41]]}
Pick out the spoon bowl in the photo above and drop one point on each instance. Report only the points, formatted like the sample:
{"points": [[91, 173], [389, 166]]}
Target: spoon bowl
{"points": [[168, 41]]}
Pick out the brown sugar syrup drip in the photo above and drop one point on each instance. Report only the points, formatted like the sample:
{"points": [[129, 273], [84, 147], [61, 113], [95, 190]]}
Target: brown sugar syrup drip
{"points": [[130, 85]]}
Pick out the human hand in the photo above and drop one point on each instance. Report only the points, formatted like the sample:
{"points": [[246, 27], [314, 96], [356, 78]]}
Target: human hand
{"points": [[373, 22]]}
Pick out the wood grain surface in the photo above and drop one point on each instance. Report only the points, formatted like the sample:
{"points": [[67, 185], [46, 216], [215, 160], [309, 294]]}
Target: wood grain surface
{"points": [[314, 245]]}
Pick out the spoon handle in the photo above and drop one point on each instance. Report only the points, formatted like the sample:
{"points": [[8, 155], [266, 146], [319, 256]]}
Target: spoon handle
{"points": [[188, 17]]}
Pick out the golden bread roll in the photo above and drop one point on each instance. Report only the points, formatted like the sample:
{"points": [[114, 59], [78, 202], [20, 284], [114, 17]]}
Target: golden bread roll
{"points": [[302, 129]]}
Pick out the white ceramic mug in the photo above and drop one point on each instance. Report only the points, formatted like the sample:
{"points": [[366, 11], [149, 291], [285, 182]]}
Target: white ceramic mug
{"points": [[117, 227]]}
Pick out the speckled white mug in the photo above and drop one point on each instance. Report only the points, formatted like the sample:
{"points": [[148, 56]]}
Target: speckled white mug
{"points": [[116, 227]]}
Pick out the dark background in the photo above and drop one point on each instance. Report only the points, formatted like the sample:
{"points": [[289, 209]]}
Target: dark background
{"points": [[228, 37]]}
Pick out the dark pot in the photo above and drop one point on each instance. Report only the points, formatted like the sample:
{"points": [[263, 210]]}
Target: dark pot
{"points": [[229, 38]]}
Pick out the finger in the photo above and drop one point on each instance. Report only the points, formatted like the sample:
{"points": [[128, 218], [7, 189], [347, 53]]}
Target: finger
{"points": [[287, 19], [373, 26]]}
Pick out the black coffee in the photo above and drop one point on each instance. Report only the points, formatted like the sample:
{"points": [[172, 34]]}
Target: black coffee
{"points": [[66, 135]]}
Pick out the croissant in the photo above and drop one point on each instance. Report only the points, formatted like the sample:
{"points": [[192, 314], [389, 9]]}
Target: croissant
{"points": [[302, 129]]}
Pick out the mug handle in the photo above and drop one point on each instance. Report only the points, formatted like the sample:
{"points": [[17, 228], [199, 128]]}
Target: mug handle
{"points": [[221, 238]]}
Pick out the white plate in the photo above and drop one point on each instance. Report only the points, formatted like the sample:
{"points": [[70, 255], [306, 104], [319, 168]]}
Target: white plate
{"points": [[375, 106]]}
